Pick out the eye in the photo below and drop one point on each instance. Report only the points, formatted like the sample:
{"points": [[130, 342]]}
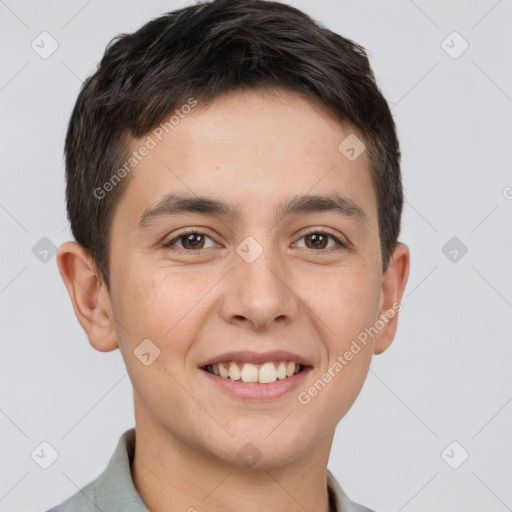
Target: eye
{"points": [[191, 240], [319, 238]]}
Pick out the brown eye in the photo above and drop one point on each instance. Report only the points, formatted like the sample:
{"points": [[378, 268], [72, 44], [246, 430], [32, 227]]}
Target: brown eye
{"points": [[319, 240], [190, 241]]}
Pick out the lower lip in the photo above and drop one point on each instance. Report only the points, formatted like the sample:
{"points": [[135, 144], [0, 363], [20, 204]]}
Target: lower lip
{"points": [[255, 390]]}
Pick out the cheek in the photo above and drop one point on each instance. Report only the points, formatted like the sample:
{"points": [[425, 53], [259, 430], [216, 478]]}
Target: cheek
{"points": [[162, 307], [342, 310], [157, 305], [346, 304]]}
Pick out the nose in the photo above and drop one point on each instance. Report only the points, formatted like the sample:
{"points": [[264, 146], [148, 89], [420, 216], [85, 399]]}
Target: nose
{"points": [[259, 294]]}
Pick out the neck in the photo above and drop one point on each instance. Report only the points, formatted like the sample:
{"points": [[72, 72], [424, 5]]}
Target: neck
{"points": [[170, 474]]}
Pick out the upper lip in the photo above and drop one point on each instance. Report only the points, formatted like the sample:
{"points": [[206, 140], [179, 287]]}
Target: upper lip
{"points": [[247, 356]]}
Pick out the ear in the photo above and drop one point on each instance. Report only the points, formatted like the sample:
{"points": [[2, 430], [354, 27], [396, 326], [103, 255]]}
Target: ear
{"points": [[88, 294], [393, 286]]}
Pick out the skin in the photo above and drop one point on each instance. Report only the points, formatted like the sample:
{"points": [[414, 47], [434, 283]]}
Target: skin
{"points": [[294, 296]]}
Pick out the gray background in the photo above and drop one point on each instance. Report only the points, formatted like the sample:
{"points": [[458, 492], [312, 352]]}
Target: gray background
{"points": [[447, 375]]}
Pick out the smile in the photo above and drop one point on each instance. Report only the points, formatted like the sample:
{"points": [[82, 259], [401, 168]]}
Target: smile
{"points": [[265, 373]]}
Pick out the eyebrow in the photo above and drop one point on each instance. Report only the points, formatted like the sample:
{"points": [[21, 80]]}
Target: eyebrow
{"points": [[178, 204]]}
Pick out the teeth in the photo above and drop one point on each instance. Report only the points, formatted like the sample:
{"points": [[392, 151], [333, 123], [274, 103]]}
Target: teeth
{"points": [[222, 371], [267, 373], [281, 370], [234, 372], [249, 373]]}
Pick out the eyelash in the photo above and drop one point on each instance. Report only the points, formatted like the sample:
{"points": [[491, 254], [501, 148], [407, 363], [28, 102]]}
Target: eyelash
{"points": [[170, 243]]}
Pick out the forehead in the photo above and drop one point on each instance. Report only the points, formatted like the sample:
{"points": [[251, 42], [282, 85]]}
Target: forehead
{"points": [[252, 149]]}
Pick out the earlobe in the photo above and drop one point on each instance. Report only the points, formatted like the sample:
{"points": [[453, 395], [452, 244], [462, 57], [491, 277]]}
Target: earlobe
{"points": [[393, 286], [88, 294]]}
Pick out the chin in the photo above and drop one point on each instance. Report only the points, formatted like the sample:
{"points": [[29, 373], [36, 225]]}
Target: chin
{"points": [[260, 448]]}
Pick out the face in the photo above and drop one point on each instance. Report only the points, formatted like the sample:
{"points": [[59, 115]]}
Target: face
{"points": [[248, 276]]}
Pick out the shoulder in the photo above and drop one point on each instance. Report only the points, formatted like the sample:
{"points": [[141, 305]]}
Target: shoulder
{"points": [[113, 490], [340, 501], [360, 508], [84, 500]]}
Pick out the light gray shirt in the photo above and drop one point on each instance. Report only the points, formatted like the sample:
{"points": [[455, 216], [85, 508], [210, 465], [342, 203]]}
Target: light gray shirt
{"points": [[114, 490]]}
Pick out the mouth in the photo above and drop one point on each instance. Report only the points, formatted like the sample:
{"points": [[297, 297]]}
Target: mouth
{"points": [[251, 375], [265, 373]]}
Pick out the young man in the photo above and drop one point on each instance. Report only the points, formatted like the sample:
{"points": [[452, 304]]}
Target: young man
{"points": [[233, 186]]}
